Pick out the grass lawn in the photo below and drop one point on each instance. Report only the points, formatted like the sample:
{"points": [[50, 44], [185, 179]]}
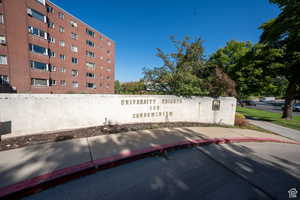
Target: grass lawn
{"points": [[270, 116]]}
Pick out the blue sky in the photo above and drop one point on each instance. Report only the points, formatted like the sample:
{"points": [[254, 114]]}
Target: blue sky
{"points": [[139, 27]]}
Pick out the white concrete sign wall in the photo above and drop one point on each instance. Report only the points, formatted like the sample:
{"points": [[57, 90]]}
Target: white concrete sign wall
{"points": [[38, 113]]}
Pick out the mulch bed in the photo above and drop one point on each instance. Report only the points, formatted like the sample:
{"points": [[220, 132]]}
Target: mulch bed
{"points": [[17, 142]]}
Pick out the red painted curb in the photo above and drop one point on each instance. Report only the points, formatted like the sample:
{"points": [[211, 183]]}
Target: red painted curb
{"points": [[115, 158], [43, 178]]}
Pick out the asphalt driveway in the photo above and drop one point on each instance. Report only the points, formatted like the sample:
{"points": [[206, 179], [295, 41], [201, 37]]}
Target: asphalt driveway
{"points": [[228, 171]]}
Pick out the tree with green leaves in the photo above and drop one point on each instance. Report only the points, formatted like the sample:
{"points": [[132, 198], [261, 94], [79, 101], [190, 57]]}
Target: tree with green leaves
{"points": [[259, 68], [185, 72], [282, 35], [177, 76], [252, 68], [228, 59], [134, 87], [117, 87]]}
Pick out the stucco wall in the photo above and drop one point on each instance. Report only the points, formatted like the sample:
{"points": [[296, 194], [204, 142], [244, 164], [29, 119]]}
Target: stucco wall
{"points": [[36, 113]]}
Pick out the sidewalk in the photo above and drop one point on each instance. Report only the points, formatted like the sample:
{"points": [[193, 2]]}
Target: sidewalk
{"points": [[285, 132], [28, 166]]}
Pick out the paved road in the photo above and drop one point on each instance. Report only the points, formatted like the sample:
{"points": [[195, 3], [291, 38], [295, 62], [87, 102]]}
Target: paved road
{"points": [[270, 108], [283, 131], [231, 171]]}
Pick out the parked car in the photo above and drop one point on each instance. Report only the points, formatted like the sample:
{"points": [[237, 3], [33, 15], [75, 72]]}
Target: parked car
{"points": [[296, 107], [267, 99], [249, 102], [278, 103]]}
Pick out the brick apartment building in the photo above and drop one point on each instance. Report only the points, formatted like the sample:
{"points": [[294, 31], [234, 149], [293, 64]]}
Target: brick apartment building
{"points": [[44, 49]]}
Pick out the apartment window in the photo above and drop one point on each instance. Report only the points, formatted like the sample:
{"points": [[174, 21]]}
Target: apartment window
{"points": [[108, 69], [74, 60], [108, 60], [61, 15], [91, 85], [90, 43], [75, 84], [51, 39], [35, 14], [51, 25], [38, 49], [73, 24], [74, 36], [38, 32], [49, 9], [2, 39], [3, 60], [1, 19], [61, 29], [90, 54], [101, 57], [62, 56], [108, 51], [52, 68], [52, 82], [89, 32], [74, 48], [101, 38], [109, 43], [39, 82], [52, 53], [74, 72], [3, 80], [63, 83], [39, 65], [62, 69], [90, 65], [90, 75], [62, 43], [41, 1]]}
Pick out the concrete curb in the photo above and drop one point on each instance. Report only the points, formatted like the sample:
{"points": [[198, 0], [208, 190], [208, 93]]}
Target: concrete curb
{"points": [[33, 182]]}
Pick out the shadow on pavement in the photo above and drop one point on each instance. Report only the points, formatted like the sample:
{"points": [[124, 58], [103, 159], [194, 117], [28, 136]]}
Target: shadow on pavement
{"points": [[272, 176]]}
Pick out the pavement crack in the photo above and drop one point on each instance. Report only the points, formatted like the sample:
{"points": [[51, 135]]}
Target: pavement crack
{"points": [[90, 150]]}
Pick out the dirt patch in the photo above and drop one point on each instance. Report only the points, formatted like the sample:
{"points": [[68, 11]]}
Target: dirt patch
{"points": [[17, 142]]}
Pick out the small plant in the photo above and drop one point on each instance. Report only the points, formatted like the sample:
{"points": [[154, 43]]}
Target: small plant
{"points": [[240, 120]]}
